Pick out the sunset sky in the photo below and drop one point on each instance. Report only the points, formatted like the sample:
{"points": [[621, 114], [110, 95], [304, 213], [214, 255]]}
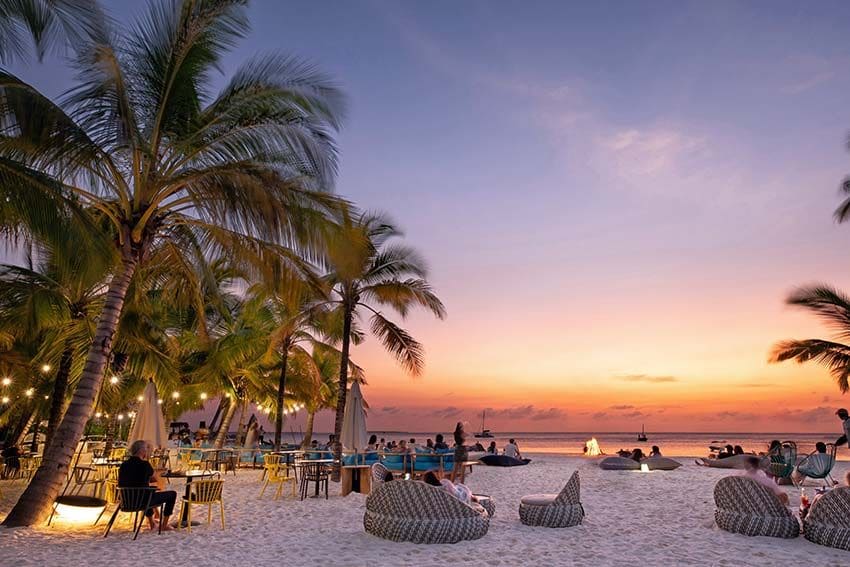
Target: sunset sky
{"points": [[614, 200]]}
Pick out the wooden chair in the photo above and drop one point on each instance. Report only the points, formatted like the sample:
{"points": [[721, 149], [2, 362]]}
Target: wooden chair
{"points": [[207, 492], [28, 467], [270, 462], [134, 501], [280, 475]]}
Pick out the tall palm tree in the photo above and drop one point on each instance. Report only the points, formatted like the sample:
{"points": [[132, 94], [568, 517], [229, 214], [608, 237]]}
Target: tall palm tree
{"points": [[143, 142], [833, 307], [367, 278]]}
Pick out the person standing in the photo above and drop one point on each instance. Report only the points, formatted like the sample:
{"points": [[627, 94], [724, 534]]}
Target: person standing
{"points": [[845, 418], [461, 453]]}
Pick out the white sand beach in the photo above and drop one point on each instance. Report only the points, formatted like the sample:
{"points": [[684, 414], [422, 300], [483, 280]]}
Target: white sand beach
{"points": [[657, 518]]}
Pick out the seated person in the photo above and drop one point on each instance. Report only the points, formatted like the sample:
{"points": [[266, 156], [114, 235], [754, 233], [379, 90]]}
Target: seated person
{"points": [[637, 455], [818, 460], [137, 472], [655, 452], [727, 452], [478, 447], [492, 448], [458, 490], [429, 445], [512, 449], [440, 444], [738, 450], [753, 471]]}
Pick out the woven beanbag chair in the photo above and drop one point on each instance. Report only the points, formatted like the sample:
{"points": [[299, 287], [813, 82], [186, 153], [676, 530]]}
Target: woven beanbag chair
{"points": [[554, 510], [746, 507], [828, 522], [619, 464], [410, 510], [661, 464]]}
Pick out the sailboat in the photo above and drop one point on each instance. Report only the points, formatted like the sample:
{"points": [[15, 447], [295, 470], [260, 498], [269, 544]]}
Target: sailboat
{"points": [[484, 433], [642, 434]]}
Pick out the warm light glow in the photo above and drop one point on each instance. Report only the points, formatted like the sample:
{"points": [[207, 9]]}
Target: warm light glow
{"points": [[98, 415], [227, 395], [159, 401], [644, 467], [5, 399], [140, 398], [203, 395], [78, 514], [29, 393], [113, 380], [45, 368], [175, 395], [7, 381], [591, 448], [120, 416], [268, 410]]}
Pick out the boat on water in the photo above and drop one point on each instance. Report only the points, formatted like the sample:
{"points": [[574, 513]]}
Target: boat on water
{"points": [[484, 433], [642, 434]]}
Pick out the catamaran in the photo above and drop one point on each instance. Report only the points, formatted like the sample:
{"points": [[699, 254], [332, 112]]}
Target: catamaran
{"points": [[642, 434]]}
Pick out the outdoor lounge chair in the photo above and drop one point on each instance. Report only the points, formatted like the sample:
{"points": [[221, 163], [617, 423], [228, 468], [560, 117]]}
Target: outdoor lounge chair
{"points": [[746, 507], [818, 466], [379, 473], [828, 522], [409, 510], [780, 462], [562, 510]]}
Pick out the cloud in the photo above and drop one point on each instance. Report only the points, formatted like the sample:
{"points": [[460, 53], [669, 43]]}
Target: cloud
{"points": [[621, 407], [390, 410], [600, 415], [820, 414], [647, 378], [756, 385], [636, 153], [527, 412], [447, 412], [807, 72]]}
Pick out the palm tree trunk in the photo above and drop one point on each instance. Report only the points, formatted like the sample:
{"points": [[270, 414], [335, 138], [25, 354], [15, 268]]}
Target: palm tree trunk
{"points": [[343, 390], [240, 431], [24, 425], [35, 503], [281, 384], [221, 403], [308, 430], [225, 424], [60, 385], [35, 425]]}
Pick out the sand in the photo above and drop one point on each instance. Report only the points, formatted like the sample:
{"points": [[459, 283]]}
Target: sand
{"points": [[657, 518]]}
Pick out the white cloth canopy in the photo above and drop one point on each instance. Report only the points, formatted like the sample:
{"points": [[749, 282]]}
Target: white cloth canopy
{"points": [[149, 424], [354, 434]]}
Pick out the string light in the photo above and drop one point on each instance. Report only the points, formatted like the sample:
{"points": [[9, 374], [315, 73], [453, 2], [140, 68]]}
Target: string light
{"points": [[175, 395], [203, 395], [113, 380], [140, 398], [29, 393], [98, 415], [159, 401], [45, 368], [120, 416], [7, 381], [5, 399]]}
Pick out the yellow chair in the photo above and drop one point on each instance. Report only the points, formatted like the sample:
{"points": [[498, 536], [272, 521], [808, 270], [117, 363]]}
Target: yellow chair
{"points": [[207, 492], [270, 462], [280, 475], [117, 454]]}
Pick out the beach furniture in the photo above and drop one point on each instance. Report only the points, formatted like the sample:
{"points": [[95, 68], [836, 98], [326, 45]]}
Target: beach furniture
{"points": [[746, 507], [317, 472], [828, 521], [818, 466], [279, 473], [733, 462], [661, 464], [207, 492], [420, 513], [780, 462], [379, 472], [561, 510], [134, 501], [619, 464]]}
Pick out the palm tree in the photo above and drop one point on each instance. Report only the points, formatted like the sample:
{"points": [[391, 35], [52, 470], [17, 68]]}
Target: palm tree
{"points": [[833, 307], [48, 22], [55, 301], [368, 272], [141, 141]]}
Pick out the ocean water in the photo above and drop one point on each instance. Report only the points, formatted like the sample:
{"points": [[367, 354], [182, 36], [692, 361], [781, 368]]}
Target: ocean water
{"points": [[672, 444]]}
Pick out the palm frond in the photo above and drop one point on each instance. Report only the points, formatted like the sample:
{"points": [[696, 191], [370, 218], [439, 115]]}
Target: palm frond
{"points": [[832, 355], [399, 343]]}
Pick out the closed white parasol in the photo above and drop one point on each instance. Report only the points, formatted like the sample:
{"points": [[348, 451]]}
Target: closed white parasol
{"points": [[149, 424], [354, 435]]}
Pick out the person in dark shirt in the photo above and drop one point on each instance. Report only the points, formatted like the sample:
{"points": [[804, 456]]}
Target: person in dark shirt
{"points": [[440, 445], [137, 472]]}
